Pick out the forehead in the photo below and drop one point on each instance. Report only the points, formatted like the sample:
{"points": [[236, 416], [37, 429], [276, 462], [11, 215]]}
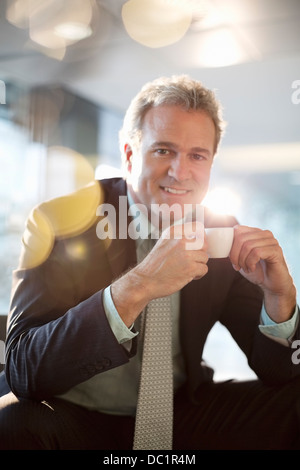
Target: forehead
{"points": [[177, 124]]}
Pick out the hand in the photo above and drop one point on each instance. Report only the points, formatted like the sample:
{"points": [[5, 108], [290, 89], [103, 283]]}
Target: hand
{"points": [[259, 258], [178, 257]]}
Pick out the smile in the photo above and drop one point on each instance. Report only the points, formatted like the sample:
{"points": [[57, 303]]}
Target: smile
{"points": [[175, 191]]}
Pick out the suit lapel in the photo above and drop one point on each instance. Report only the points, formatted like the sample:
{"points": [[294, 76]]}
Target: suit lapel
{"points": [[121, 252]]}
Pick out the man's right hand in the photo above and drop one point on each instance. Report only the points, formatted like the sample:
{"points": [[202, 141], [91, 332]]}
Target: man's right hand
{"points": [[169, 266]]}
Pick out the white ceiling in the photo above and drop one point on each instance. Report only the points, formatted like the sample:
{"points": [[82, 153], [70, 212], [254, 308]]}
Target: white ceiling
{"points": [[109, 67]]}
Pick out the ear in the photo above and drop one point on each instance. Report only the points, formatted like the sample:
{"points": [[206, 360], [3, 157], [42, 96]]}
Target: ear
{"points": [[128, 155]]}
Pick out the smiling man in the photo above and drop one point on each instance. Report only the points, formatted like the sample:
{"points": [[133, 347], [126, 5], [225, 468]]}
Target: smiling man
{"points": [[83, 332], [173, 162]]}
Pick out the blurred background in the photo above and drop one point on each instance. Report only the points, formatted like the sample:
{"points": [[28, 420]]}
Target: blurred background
{"points": [[69, 68]]}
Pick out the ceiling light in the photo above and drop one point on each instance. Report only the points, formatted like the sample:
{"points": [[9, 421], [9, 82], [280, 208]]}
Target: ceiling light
{"points": [[156, 23], [216, 48], [221, 47], [53, 24], [73, 31]]}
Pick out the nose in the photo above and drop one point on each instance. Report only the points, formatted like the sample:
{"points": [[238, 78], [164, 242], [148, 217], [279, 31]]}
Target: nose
{"points": [[179, 168]]}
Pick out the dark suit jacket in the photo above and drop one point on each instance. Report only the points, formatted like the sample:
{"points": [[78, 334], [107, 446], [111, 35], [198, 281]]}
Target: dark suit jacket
{"points": [[58, 333]]}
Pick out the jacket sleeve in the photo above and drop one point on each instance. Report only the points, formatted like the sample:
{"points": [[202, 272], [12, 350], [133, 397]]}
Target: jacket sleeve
{"points": [[58, 333], [269, 359], [48, 349]]}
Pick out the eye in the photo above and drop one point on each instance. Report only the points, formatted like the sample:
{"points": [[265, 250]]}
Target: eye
{"points": [[162, 151], [198, 157]]}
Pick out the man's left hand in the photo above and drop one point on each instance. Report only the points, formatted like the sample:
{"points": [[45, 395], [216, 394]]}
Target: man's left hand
{"points": [[259, 258]]}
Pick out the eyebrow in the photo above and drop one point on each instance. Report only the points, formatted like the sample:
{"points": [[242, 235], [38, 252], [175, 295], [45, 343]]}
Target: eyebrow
{"points": [[175, 147]]}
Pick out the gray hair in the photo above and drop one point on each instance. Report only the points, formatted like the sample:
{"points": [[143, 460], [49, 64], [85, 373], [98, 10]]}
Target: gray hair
{"points": [[177, 90]]}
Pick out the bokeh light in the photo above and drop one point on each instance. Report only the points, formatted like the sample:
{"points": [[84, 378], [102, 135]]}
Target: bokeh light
{"points": [[222, 200]]}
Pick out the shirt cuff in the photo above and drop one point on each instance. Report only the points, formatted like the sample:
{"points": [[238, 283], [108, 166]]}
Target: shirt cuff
{"points": [[120, 330], [282, 331]]}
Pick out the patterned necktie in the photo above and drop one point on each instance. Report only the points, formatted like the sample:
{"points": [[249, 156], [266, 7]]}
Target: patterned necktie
{"points": [[154, 416]]}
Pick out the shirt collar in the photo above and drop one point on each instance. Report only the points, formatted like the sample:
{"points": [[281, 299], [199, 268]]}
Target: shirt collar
{"points": [[148, 229]]}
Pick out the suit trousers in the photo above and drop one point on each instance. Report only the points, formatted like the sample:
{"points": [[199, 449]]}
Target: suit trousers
{"points": [[228, 415]]}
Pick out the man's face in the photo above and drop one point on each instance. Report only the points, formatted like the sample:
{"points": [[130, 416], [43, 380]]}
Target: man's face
{"points": [[173, 162]]}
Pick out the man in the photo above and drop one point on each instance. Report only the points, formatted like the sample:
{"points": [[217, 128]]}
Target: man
{"points": [[75, 336]]}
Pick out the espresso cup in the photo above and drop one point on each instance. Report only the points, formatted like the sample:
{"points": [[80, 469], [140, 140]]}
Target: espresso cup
{"points": [[219, 240]]}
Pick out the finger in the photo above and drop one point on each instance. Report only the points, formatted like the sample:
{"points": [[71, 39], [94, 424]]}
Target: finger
{"points": [[243, 236], [191, 232], [201, 269], [258, 253], [200, 256], [250, 245], [237, 244]]}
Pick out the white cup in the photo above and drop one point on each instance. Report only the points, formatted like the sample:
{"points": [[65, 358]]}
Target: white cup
{"points": [[219, 241]]}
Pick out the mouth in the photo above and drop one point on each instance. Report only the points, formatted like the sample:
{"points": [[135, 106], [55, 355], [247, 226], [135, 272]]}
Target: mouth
{"points": [[177, 192]]}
